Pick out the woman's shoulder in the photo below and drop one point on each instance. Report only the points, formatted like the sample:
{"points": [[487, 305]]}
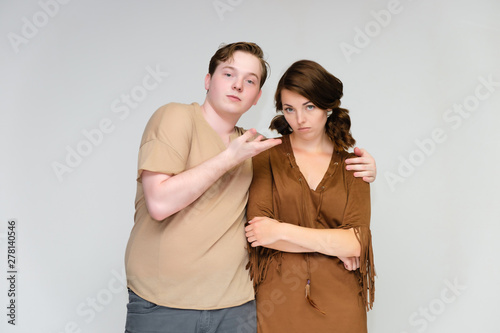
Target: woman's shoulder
{"points": [[277, 152], [343, 155]]}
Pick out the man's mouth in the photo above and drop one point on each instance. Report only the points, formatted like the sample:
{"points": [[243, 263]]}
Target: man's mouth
{"points": [[234, 98]]}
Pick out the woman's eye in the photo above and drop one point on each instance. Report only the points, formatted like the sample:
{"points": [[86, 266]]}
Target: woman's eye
{"points": [[288, 110], [310, 107]]}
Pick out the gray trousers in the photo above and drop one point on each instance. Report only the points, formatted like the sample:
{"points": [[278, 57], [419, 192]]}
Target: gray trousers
{"points": [[146, 317]]}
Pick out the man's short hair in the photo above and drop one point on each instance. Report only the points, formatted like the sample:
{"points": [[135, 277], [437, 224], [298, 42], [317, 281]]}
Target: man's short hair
{"points": [[226, 52]]}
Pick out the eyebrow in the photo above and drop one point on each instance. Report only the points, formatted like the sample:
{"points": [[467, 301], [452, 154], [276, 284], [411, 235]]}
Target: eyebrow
{"points": [[305, 103], [234, 69]]}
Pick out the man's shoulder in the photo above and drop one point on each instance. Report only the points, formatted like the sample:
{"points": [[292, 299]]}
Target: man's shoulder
{"points": [[173, 118], [174, 114], [176, 109]]}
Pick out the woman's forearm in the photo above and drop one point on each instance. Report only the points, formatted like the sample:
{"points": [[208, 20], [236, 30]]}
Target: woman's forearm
{"points": [[267, 232], [333, 242]]}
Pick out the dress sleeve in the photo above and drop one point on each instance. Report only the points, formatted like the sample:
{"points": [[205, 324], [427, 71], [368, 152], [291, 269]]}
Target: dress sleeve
{"points": [[260, 203], [260, 199], [357, 216]]}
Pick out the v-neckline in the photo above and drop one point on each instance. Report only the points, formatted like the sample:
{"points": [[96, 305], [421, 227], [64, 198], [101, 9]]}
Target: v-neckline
{"points": [[328, 173]]}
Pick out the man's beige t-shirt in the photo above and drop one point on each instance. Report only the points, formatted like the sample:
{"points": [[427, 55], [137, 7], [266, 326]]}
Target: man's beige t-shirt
{"points": [[196, 258]]}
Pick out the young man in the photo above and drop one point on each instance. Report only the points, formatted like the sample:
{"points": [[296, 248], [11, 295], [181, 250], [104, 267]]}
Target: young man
{"points": [[186, 256]]}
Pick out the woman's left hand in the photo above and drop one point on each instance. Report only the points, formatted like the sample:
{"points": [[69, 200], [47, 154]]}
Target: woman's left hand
{"points": [[350, 263], [262, 231]]}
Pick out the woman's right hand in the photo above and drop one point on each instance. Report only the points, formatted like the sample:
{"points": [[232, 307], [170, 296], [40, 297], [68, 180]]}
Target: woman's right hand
{"points": [[262, 231]]}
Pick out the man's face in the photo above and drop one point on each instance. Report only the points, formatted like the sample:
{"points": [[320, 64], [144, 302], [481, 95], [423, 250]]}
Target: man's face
{"points": [[235, 85]]}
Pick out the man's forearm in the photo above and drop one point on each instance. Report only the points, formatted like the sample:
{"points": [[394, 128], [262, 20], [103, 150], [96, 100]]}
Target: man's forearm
{"points": [[166, 195]]}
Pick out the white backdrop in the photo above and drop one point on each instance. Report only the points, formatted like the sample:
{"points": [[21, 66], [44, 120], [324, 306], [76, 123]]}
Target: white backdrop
{"points": [[80, 79]]}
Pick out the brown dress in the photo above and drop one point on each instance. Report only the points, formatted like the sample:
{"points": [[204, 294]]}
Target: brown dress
{"points": [[337, 299]]}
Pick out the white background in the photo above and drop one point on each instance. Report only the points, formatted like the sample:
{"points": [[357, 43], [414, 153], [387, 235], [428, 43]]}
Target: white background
{"points": [[408, 69]]}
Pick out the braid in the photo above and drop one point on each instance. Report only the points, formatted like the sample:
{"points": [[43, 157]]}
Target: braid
{"points": [[280, 124], [338, 128]]}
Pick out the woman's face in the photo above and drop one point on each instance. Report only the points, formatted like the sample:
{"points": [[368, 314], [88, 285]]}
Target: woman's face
{"points": [[305, 119]]}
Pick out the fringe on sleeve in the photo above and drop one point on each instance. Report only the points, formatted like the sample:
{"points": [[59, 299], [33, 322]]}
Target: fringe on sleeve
{"points": [[366, 272], [258, 264], [366, 266]]}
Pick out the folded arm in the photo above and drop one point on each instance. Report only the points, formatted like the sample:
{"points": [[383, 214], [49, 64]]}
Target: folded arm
{"points": [[267, 232]]}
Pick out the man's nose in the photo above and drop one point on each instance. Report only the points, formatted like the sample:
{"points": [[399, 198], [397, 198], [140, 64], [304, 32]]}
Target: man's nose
{"points": [[238, 85]]}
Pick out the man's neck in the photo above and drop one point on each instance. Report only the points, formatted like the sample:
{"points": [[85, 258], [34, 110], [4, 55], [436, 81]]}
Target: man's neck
{"points": [[221, 123]]}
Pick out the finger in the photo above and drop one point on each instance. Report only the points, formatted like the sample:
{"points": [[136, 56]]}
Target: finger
{"points": [[369, 179], [348, 263], [361, 152], [358, 151], [257, 138], [364, 173], [269, 143], [248, 134], [357, 160], [251, 131], [360, 167], [255, 219], [251, 238]]}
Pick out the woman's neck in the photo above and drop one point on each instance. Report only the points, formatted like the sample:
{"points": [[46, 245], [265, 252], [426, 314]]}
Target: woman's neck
{"points": [[321, 144]]}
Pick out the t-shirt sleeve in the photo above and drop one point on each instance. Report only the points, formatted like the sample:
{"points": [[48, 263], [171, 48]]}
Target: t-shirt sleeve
{"points": [[166, 141]]}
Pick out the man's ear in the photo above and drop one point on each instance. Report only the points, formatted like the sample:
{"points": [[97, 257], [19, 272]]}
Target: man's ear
{"points": [[208, 78]]}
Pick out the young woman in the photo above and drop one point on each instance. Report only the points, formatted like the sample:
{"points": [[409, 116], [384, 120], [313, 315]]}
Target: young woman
{"points": [[310, 256]]}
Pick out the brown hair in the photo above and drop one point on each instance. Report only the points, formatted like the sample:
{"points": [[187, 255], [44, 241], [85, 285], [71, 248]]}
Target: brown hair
{"points": [[225, 52], [309, 79]]}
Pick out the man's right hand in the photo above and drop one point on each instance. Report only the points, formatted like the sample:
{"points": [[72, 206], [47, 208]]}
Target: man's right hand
{"points": [[249, 145]]}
